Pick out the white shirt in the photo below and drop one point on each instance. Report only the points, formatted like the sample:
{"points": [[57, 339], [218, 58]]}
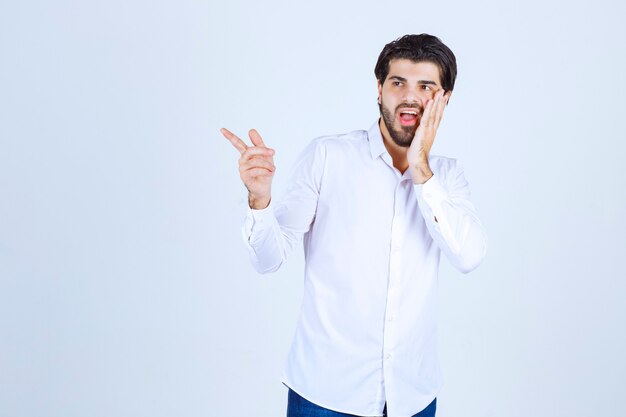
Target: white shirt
{"points": [[366, 333]]}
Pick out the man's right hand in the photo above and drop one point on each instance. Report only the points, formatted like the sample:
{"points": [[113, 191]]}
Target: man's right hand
{"points": [[256, 167]]}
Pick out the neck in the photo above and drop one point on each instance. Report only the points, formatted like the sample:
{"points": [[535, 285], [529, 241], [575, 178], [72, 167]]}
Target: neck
{"points": [[397, 153]]}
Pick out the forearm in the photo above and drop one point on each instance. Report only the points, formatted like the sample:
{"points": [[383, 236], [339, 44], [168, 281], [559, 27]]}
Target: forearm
{"points": [[272, 229], [459, 234], [263, 239], [453, 224]]}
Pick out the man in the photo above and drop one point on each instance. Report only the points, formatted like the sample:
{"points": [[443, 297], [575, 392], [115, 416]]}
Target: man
{"points": [[375, 209]]}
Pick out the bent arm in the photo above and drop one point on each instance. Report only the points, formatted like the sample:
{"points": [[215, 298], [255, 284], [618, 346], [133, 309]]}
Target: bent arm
{"points": [[452, 220], [272, 233]]}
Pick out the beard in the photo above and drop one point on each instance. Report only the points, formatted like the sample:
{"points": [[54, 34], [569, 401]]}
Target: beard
{"points": [[403, 136]]}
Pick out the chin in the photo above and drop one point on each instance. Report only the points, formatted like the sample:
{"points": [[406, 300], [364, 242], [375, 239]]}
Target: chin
{"points": [[404, 144], [404, 141]]}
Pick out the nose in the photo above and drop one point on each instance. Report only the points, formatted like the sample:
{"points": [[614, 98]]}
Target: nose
{"points": [[412, 95]]}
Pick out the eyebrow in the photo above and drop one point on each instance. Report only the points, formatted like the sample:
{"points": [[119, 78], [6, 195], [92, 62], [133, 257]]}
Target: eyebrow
{"points": [[402, 79]]}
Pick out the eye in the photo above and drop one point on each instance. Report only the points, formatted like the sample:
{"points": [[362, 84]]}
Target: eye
{"points": [[426, 87], [396, 83]]}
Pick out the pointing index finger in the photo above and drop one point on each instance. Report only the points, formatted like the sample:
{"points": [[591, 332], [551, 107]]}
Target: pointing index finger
{"points": [[237, 143]]}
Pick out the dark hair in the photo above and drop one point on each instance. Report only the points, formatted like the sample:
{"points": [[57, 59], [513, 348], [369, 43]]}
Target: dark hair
{"points": [[419, 48]]}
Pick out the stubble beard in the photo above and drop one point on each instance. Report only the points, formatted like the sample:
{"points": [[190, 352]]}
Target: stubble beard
{"points": [[405, 134]]}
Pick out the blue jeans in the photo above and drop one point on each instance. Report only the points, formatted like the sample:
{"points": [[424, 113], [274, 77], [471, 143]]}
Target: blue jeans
{"points": [[298, 406]]}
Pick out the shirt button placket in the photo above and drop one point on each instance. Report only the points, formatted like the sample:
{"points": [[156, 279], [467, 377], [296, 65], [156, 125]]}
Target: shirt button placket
{"points": [[395, 263]]}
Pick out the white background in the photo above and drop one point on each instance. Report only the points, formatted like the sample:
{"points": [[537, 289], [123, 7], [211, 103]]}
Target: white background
{"points": [[125, 288]]}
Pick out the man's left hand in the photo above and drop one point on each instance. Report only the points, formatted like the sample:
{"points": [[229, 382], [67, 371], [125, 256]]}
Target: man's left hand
{"points": [[418, 152]]}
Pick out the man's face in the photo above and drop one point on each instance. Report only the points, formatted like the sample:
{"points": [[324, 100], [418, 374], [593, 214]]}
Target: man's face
{"points": [[403, 97]]}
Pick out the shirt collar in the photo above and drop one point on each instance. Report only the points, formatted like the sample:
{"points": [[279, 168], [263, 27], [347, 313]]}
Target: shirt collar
{"points": [[375, 138]]}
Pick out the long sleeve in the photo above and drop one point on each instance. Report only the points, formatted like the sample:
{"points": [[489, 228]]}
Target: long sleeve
{"points": [[451, 218], [271, 234], [372, 251]]}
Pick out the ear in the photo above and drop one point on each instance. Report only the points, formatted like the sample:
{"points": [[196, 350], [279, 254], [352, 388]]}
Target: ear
{"points": [[380, 90]]}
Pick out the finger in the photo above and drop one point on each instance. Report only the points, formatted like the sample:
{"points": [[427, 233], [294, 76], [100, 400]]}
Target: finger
{"points": [[440, 108], [257, 163], [254, 151], [445, 99], [426, 115], [439, 102], [237, 143], [258, 172], [256, 138]]}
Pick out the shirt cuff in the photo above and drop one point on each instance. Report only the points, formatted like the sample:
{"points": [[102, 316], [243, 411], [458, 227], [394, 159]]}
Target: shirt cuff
{"points": [[255, 222], [432, 192], [262, 215]]}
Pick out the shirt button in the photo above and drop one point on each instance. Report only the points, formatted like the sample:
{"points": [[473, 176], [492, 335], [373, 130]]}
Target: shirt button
{"points": [[390, 318], [388, 356]]}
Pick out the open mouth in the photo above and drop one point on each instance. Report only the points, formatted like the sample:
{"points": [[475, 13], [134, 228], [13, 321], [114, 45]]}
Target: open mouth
{"points": [[407, 117]]}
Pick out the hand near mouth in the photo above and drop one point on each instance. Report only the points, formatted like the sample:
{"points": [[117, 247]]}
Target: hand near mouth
{"points": [[418, 152]]}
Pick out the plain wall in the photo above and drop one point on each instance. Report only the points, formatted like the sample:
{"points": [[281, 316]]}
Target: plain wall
{"points": [[125, 288]]}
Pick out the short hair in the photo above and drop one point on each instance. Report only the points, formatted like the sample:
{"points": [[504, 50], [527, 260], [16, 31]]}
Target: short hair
{"points": [[419, 48]]}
